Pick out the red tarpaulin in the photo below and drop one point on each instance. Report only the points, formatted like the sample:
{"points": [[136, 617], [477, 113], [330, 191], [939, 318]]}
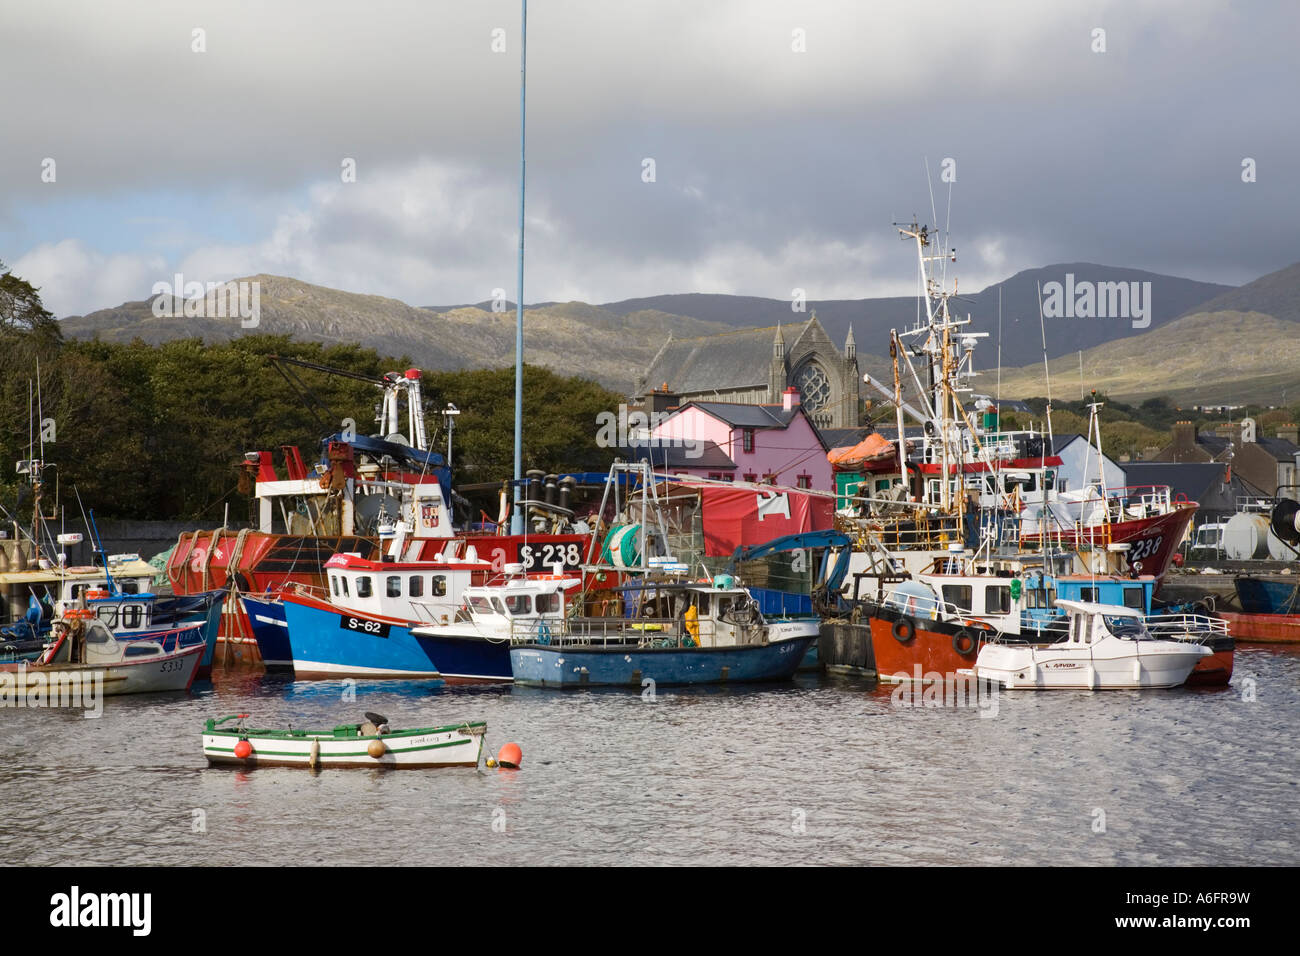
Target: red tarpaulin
{"points": [[736, 516]]}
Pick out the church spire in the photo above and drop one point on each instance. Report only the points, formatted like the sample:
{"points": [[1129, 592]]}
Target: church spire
{"points": [[778, 344], [850, 345]]}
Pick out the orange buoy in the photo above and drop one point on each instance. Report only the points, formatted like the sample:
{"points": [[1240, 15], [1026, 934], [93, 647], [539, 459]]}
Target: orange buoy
{"points": [[377, 748], [242, 749], [510, 757]]}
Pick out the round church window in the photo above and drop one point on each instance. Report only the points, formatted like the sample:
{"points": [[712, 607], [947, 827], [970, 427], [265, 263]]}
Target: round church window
{"points": [[814, 387]]}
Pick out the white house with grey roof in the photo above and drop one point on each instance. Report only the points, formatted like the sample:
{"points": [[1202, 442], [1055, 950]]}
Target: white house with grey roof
{"points": [[756, 366]]}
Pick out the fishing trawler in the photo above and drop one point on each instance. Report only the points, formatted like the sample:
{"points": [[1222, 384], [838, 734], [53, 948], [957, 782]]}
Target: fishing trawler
{"points": [[365, 625], [337, 507], [970, 495], [661, 629], [940, 622]]}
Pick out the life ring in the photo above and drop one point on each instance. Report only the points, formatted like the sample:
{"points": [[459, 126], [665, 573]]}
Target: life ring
{"points": [[964, 642], [903, 630]]}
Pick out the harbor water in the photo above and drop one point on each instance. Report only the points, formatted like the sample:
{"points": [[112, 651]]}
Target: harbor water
{"points": [[821, 770]]}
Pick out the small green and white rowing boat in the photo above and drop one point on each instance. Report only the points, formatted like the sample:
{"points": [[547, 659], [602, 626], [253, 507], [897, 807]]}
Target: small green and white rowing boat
{"points": [[368, 744]]}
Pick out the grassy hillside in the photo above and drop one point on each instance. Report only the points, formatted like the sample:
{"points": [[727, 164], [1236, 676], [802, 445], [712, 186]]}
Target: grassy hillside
{"points": [[569, 338], [1206, 358]]}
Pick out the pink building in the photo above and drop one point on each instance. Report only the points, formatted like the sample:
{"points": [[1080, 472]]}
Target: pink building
{"points": [[728, 441]]}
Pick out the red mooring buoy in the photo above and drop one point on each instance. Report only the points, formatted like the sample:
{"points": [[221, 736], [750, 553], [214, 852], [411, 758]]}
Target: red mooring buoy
{"points": [[242, 749], [510, 757]]}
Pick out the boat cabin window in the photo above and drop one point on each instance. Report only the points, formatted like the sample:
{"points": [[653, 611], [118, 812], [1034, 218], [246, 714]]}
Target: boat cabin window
{"points": [[438, 585], [416, 585], [343, 583], [97, 635], [548, 603], [1079, 627], [724, 605], [132, 615], [1088, 594], [1134, 598], [480, 604], [363, 586], [393, 586], [498, 606], [1126, 628], [1040, 597], [997, 600], [130, 586], [108, 615], [519, 603], [334, 583], [1025, 482], [958, 595], [704, 604]]}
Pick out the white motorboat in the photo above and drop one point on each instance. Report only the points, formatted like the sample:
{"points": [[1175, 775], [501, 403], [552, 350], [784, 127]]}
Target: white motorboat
{"points": [[1107, 647]]}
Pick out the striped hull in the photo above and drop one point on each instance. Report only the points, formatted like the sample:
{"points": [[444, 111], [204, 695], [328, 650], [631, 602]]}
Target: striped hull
{"points": [[459, 746]]}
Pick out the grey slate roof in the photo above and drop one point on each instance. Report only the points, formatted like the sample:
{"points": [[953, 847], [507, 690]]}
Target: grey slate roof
{"points": [[1059, 441], [891, 431], [740, 415], [1200, 481], [844, 437], [671, 456], [1283, 449], [729, 360], [1216, 445]]}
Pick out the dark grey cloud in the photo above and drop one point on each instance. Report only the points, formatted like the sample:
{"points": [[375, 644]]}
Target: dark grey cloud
{"points": [[774, 169]]}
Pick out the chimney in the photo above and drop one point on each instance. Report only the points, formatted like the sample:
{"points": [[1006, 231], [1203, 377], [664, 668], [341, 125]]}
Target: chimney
{"points": [[1184, 441], [659, 400], [1290, 431], [790, 398]]}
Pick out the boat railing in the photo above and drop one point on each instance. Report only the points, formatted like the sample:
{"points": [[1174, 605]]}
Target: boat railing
{"points": [[920, 531], [1044, 630], [598, 631], [1184, 626], [1138, 501], [310, 590], [933, 609], [424, 612]]}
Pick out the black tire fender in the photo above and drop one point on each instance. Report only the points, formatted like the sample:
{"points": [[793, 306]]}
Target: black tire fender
{"points": [[903, 630]]}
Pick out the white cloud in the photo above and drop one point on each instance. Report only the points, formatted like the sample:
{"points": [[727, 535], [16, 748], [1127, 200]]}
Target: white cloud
{"points": [[74, 278]]}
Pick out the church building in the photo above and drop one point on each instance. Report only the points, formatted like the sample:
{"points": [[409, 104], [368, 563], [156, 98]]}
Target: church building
{"points": [[756, 366]]}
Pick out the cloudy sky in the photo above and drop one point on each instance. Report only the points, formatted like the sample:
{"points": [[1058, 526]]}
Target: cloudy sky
{"points": [[774, 168]]}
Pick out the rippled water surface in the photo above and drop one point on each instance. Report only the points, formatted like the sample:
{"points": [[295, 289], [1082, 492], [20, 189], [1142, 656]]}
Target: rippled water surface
{"points": [[822, 770]]}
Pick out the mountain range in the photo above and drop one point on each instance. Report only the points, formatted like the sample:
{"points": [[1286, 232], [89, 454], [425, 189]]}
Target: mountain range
{"points": [[1240, 347], [1179, 352]]}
